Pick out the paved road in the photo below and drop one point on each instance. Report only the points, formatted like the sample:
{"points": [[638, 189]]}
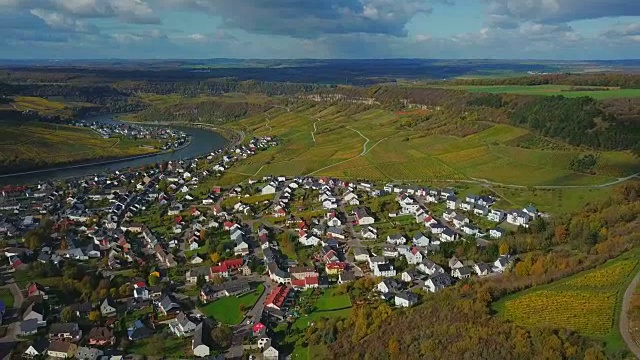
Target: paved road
{"points": [[243, 329], [624, 317], [9, 341]]}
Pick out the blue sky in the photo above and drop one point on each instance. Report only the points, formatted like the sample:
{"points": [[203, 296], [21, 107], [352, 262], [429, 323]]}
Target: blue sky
{"points": [[500, 29]]}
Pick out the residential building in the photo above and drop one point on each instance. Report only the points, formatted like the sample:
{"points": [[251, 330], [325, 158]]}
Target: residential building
{"points": [[438, 282], [405, 299], [101, 336], [62, 349], [182, 326], [65, 331], [202, 343]]}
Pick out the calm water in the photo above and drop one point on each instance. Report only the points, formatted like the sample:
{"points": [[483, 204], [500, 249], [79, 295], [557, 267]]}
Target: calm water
{"points": [[202, 142]]}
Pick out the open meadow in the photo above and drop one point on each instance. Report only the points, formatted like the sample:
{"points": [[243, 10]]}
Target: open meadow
{"points": [[588, 302], [24, 146]]}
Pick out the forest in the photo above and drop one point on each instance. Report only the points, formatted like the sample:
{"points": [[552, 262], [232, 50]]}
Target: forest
{"points": [[458, 322]]}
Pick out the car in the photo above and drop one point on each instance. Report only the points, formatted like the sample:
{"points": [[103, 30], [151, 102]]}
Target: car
{"points": [[248, 322]]}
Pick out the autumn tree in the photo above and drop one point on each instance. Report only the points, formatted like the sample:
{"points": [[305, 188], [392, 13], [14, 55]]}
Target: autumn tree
{"points": [[504, 248], [95, 315], [215, 257]]}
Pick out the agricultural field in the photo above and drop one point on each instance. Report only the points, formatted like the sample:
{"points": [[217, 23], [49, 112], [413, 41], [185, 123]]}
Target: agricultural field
{"points": [[588, 302], [547, 90], [23, 143], [354, 143], [46, 107]]}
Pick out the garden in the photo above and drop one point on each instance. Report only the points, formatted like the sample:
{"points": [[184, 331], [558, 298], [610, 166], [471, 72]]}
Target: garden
{"points": [[230, 310]]}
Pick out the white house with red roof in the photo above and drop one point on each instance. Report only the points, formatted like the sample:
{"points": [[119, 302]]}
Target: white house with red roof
{"points": [[306, 283], [414, 256], [225, 268]]}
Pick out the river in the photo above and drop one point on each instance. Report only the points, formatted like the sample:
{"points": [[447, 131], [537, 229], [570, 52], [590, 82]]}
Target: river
{"points": [[202, 142]]}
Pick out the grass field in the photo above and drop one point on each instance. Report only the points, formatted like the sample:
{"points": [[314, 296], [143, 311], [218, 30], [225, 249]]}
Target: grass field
{"points": [[166, 345], [547, 90], [23, 144], [227, 310], [588, 303], [7, 297]]}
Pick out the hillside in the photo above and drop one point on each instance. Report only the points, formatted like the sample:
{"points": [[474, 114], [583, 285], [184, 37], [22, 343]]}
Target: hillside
{"points": [[30, 145], [353, 142]]}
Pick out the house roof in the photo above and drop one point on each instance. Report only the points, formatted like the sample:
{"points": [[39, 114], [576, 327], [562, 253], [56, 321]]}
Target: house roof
{"points": [[408, 296], [63, 328], [277, 296], [100, 333], [202, 335], [59, 346], [40, 345]]}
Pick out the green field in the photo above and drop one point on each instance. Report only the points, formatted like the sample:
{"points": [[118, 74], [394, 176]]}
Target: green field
{"points": [[368, 144], [227, 310], [588, 302], [7, 297], [41, 144], [546, 90]]}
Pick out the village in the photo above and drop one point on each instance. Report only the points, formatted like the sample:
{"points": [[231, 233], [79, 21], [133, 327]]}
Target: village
{"points": [[159, 262]]}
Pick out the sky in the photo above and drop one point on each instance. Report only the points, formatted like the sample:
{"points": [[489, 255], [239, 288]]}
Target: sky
{"points": [[264, 29]]}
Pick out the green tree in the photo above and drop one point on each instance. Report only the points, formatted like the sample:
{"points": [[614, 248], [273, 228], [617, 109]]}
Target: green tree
{"points": [[200, 281], [153, 280], [67, 315]]}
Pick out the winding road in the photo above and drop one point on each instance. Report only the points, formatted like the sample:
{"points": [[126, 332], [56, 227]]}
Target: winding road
{"points": [[624, 317], [364, 151], [313, 136], [364, 146]]}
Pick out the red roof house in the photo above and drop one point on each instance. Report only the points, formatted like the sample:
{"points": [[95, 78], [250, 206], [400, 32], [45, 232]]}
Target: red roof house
{"points": [[277, 297]]}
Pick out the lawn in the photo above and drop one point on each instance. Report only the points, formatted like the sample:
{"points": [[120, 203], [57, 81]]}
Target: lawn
{"points": [[7, 297], [588, 302], [303, 322], [164, 345], [330, 301], [227, 310]]}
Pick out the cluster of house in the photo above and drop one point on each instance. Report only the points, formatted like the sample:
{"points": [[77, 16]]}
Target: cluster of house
{"points": [[481, 206], [62, 340]]}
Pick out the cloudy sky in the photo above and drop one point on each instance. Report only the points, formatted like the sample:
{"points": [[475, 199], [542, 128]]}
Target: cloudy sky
{"points": [[521, 29]]}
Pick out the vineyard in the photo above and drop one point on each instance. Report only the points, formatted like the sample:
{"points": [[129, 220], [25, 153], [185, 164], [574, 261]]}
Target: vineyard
{"points": [[587, 302], [393, 151], [583, 311]]}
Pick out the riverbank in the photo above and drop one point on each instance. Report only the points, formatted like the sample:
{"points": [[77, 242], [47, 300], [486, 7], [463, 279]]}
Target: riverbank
{"points": [[234, 137], [93, 162], [201, 141]]}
